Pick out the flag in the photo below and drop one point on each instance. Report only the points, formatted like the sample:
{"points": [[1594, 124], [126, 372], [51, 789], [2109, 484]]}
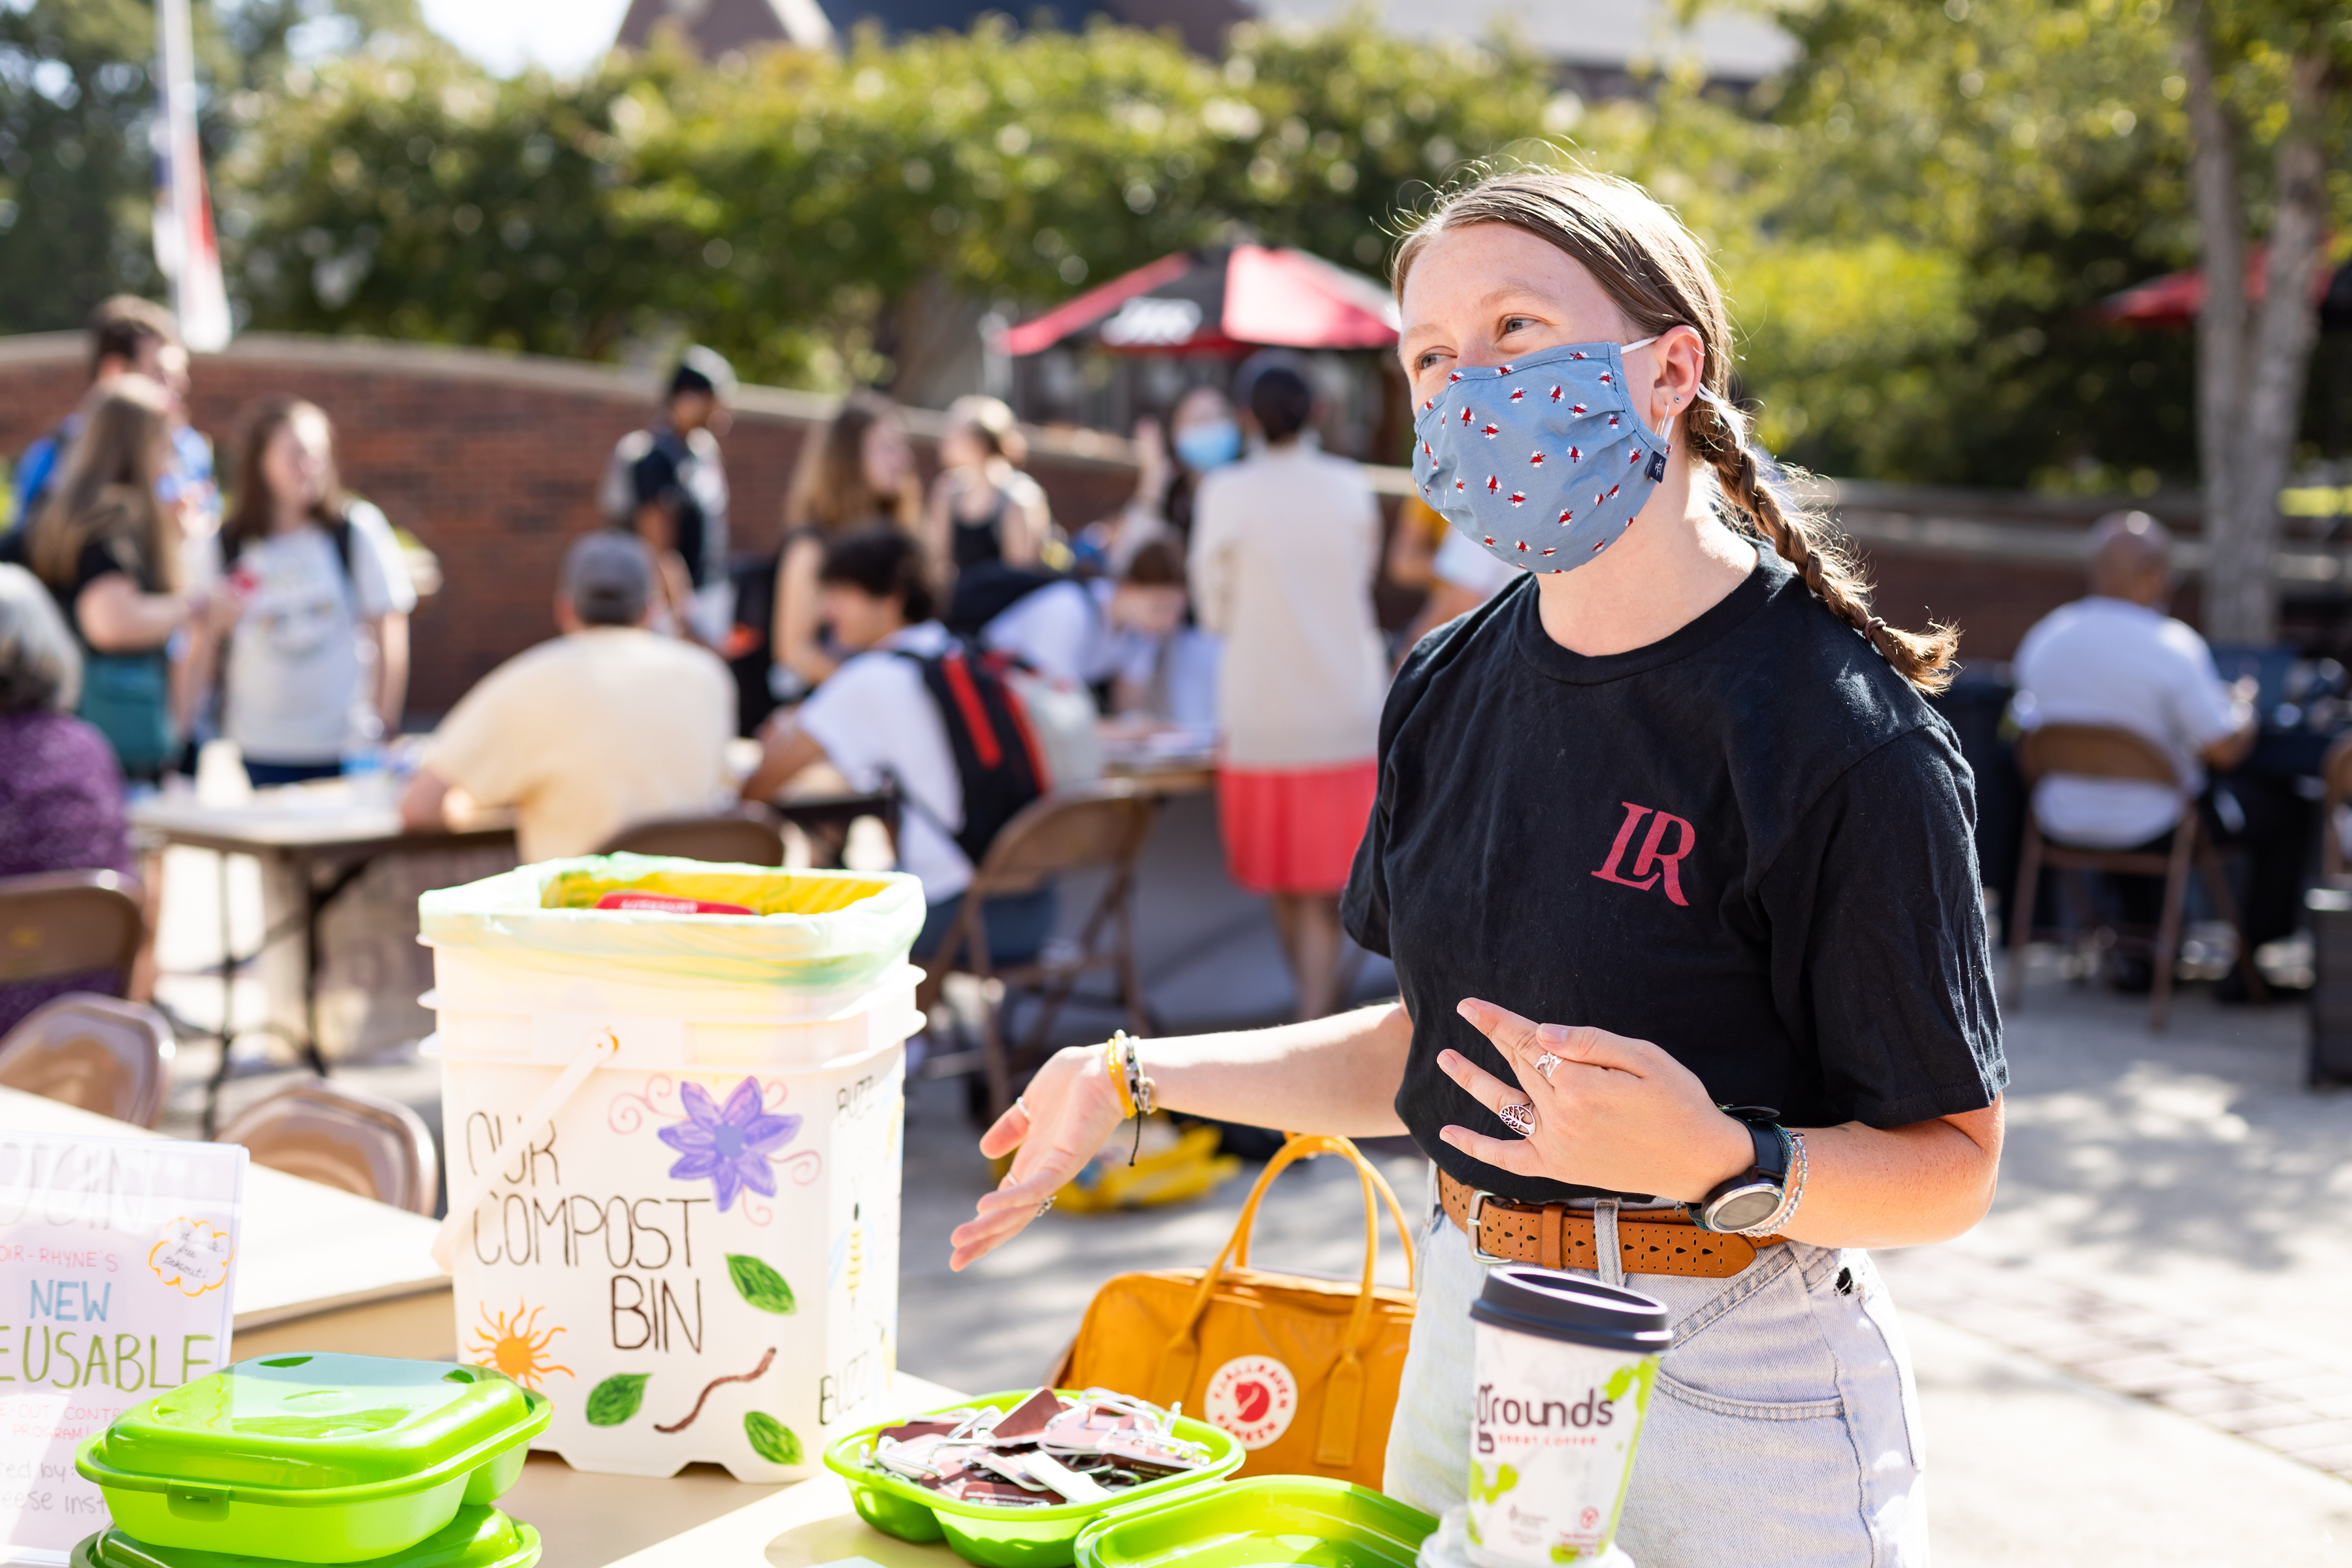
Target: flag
{"points": [[184, 245]]}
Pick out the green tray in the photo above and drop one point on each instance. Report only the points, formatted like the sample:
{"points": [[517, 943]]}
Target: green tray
{"points": [[1006, 1537], [1266, 1520], [312, 1458], [479, 1537]]}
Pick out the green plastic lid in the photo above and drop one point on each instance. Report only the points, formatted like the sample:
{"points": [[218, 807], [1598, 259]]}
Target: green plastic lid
{"points": [[479, 1537], [319, 1428]]}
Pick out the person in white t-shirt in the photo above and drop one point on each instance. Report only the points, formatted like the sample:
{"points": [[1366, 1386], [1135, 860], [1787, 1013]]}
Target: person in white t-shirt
{"points": [[318, 664], [2116, 658], [876, 721], [1090, 631]]}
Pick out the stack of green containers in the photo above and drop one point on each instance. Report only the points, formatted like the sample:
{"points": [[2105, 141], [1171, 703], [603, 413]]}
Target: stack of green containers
{"points": [[317, 1459]]}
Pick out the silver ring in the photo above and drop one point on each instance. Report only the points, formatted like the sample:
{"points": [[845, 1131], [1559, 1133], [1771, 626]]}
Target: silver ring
{"points": [[1044, 1207], [1021, 1104], [1545, 1064], [1520, 1118]]}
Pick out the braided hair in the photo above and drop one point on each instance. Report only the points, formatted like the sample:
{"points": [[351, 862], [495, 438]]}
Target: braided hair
{"points": [[1653, 268]]}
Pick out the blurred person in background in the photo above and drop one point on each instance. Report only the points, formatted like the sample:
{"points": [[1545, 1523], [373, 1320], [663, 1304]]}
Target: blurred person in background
{"points": [[2114, 658], [982, 507], [1461, 578], [128, 336], [1286, 547], [318, 663], [111, 554], [860, 473], [667, 485], [1083, 631], [876, 720], [1203, 434], [60, 791], [609, 725]]}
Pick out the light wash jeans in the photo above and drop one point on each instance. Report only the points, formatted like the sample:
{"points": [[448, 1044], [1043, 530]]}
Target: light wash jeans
{"points": [[1784, 1428]]}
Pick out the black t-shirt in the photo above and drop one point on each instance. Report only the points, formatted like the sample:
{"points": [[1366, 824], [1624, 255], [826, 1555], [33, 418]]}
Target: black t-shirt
{"points": [[1748, 843]]}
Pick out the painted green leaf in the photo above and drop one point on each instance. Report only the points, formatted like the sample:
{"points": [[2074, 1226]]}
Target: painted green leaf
{"points": [[758, 1284], [771, 1438], [616, 1398]]}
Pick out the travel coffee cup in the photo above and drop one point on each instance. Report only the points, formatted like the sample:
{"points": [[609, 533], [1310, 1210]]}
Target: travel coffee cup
{"points": [[1564, 1371]]}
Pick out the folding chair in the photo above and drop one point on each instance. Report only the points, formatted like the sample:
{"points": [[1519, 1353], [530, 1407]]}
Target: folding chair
{"points": [[99, 1053], [69, 922], [2093, 751], [745, 838], [1100, 827], [344, 1138]]}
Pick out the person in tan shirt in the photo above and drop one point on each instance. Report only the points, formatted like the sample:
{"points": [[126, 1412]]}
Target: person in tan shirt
{"points": [[608, 724]]}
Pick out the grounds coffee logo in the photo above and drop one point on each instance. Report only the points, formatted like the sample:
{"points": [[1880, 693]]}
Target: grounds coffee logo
{"points": [[1253, 1397]]}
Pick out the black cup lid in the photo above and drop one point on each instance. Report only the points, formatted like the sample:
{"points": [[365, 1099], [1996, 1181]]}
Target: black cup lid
{"points": [[1555, 1306]]}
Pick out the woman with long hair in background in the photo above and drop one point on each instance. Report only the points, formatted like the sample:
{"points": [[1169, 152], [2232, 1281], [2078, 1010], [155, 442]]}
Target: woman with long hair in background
{"points": [[982, 507], [318, 662], [859, 471]]}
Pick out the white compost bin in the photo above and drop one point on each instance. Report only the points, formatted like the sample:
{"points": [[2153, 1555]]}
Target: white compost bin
{"points": [[674, 1149]]}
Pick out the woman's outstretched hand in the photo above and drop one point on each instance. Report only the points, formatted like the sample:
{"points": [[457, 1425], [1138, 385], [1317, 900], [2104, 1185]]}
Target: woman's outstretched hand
{"points": [[1616, 1113], [1068, 1111]]}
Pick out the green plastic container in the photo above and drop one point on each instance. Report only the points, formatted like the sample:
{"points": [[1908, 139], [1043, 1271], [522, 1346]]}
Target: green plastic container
{"points": [[1007, 1536], [312, 1458], [1266, 1520], [478, 1538]]}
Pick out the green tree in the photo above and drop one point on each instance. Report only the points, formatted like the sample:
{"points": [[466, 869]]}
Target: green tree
{"points": [[76, 102]]}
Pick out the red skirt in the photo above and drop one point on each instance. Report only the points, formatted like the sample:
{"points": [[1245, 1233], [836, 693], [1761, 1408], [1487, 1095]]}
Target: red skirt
{"points": [[1295, 831]]}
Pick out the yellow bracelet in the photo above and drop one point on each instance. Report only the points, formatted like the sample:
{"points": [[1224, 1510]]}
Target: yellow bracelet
{"points": [[1117, 1070]]}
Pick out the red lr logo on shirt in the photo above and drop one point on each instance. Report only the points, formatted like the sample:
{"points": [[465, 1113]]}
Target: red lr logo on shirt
{"points": [[1655, 861]]}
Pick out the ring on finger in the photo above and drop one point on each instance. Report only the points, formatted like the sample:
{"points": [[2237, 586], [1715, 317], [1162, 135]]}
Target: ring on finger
{"points": [[1043, 1206], [1546, 1064], [1520, 1118]]}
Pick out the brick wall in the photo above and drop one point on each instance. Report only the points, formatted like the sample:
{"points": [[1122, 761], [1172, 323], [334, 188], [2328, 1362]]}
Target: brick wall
{"points": [[492, 461]]}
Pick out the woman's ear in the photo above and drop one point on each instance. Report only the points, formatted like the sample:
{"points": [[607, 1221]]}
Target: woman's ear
{"points": [[1681, 355]]}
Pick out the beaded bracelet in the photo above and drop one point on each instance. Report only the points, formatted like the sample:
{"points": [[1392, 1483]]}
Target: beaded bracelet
{"points": [[1792, 1194]]}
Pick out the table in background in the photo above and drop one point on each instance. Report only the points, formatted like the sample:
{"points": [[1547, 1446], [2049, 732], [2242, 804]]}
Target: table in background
{"points": [[1160, 763], [324, 836]]}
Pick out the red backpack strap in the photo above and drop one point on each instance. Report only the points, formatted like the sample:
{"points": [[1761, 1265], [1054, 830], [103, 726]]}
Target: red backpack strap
{"points": [[966, 692]]}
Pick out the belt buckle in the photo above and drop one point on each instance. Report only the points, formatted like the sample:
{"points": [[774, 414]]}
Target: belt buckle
{"points": [[1479, 1198]]}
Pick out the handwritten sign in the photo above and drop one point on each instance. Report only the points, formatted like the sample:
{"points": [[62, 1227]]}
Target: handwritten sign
{"points": [[116, 1255]]}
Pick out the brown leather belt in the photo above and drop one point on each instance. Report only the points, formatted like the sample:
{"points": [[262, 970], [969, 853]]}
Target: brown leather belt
{"points": [[1553, 1236]]}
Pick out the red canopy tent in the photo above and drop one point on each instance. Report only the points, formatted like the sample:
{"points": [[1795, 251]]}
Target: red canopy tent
{"points": [[1224, 300], [2174, 299]]}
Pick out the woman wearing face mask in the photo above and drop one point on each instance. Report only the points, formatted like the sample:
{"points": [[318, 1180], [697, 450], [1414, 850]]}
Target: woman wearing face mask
{"points": [[319, 658], [1203, 435], [860, 471], [1666, 825]]}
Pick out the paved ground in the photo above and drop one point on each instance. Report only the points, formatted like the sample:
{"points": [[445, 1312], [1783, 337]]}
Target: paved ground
{"points": [[2141, 1354]]}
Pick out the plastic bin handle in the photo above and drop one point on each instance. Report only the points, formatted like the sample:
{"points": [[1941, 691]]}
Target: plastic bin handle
{"points": [[542, 1111]]}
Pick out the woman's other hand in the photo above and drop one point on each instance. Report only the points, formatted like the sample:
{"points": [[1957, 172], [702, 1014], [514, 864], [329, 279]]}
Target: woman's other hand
{"points": [[1616, 1113], [1054, 1128]]}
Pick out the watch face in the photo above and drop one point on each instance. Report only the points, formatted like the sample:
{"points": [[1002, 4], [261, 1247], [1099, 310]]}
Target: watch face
{"points": [[1747, 1205]]}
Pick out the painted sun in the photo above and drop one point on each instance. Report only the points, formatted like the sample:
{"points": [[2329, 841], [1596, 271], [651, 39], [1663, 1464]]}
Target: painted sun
{"points": [[516, 1345]]}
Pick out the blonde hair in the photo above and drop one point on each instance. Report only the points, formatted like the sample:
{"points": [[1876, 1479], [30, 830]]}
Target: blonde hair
{"points": [[1652, 268], [990, 419], [106, 488], [829, 489]]}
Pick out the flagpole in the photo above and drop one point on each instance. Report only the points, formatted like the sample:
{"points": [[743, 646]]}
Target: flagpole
{"points": [[184, 242]]}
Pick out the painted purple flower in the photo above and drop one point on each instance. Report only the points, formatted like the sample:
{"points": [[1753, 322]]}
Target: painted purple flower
{"points": [[729, 1143]]}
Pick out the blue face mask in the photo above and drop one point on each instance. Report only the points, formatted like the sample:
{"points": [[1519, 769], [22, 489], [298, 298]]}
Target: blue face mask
{"points": [[1543, 461], [1208, 446]]}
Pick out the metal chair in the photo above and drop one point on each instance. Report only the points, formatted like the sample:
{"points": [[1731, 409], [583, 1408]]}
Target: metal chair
{"points": [[2335, 773], [344, 1138], [69, 922], [746, 837], [1099, 827], [99, 1053], [2092, 751]]}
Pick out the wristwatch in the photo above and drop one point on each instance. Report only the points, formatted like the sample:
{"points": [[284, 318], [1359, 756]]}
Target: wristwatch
{"points": [[1753, 1195]]}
